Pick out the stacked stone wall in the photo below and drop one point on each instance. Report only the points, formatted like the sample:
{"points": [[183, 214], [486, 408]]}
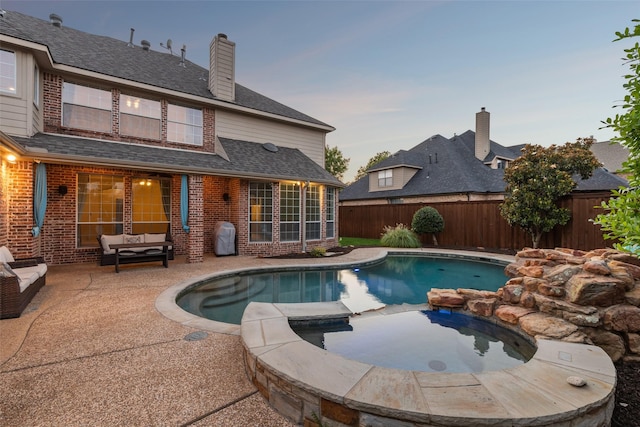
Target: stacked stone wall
{"points": [[563, 294]]}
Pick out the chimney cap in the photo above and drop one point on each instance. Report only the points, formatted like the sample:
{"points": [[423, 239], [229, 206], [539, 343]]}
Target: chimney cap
{"points": [[222, 35], [55, 20]]}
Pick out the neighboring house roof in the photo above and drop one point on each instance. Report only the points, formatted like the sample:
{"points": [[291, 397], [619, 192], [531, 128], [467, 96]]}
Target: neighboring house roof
{"points": [[115, 58], [449, 166], [245, 159], [611, 155]]}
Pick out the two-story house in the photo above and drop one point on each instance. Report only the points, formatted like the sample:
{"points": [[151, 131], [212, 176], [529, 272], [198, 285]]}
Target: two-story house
{"points": [[465, 167], [103, 136]]}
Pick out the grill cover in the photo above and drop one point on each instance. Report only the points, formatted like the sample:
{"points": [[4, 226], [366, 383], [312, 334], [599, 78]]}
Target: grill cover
{"points": [[224, 239]]}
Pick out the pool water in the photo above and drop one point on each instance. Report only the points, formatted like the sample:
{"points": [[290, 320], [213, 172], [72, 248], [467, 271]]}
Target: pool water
{"points": [[398, 279], [429, 341]]}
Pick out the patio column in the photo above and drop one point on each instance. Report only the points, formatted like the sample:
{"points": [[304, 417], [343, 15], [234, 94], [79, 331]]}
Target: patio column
{"points": [[195, 237]]}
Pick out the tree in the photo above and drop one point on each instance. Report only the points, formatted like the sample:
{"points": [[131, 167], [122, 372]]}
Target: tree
{"points": [[538, 179], [372, 162], [427, 220], [335, 163], [622, 221]]}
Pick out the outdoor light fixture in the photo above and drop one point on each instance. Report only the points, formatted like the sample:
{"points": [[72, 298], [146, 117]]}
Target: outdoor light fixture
{"points": [[11, 158], [62, 190]]}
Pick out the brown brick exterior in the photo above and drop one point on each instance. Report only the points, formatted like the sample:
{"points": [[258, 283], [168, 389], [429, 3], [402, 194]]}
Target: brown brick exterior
{"points": [[211, 198]]}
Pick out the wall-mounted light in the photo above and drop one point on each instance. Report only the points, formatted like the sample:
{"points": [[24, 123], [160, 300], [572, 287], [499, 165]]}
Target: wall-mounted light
{"points": [[62, 190], [11, 158], [226, 197]]}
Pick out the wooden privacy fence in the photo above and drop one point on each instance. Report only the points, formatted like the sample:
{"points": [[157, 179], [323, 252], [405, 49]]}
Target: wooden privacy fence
{"points": [[479, 224]]}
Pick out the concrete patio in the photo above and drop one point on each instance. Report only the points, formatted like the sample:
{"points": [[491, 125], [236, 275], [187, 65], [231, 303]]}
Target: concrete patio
{"points": [[91, 349]]}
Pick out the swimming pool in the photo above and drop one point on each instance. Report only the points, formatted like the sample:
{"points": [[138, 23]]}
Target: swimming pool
{"points": [[398, 279]]}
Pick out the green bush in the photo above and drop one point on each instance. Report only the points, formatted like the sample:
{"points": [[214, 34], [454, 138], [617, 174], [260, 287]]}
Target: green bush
{"points": [[318, 252], [427, 220], [399, 237]]}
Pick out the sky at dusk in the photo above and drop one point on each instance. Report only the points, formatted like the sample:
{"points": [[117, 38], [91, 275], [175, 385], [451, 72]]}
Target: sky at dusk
{"points": [[388, 75]]}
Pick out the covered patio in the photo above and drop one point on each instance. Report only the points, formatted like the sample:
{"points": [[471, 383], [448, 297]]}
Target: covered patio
{"points": [[91, 349]]}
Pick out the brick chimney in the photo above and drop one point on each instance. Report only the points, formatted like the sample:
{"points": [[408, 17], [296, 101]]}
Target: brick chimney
{"points": [[482, 134], [222, 68]]}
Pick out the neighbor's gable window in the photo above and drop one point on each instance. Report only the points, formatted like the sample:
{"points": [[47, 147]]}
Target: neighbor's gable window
{"points": [[86, 108], [8, 71], [330, 209], [313, 213], [151, 205], [385, 178], [289, 212], [99, 206], [140, 117], [260, 212], [184, 125]]}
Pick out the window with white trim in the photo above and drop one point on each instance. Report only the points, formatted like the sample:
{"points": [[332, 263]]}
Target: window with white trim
{"points": [[99, 207], [140, 117], [151, 205], [86, 108], [260, 212], [289, 212], [313, 214], [385, 178], [184, 125], [8, 73], [330, 212]]}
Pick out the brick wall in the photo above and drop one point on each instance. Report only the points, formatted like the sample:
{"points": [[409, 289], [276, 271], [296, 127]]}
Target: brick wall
{"points": [[4, 205], [52, 115], [19, 199]]}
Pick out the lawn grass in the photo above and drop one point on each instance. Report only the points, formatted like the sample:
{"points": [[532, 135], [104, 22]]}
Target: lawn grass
{"points": [[358, 241]]}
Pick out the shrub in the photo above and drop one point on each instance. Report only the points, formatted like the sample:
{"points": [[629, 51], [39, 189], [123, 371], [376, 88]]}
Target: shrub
{"points": [[399, 237], [318, 252], [427, 220]]}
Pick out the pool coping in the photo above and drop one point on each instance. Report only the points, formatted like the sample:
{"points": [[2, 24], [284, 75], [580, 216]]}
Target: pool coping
{"points": [[298, 378]]}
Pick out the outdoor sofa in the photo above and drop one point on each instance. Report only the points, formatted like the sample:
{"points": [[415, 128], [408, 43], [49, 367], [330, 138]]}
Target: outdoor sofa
{"points": [[135, 253], [20, 281]]}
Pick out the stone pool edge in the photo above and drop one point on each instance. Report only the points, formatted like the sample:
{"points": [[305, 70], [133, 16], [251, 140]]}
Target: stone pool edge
{"points": [[304, 382]]}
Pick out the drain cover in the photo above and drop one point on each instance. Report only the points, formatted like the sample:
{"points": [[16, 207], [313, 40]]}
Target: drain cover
{"points": [[196, 336]]}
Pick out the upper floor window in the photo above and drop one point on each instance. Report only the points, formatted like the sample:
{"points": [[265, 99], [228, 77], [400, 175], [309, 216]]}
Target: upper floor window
{"points": [[385, 178], [36, 85], [184, 125], [7, 71], [86, 108], [140, 117]]}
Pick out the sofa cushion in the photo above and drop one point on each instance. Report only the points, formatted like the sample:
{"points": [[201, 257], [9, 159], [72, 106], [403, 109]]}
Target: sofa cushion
{"points": [[5, 255], [40, 270], [26, 277], [155, 237], [106, 240]]}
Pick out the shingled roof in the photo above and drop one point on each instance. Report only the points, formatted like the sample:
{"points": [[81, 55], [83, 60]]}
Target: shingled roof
{"points": [[116, 58], [449, 166], [245, 159]]}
